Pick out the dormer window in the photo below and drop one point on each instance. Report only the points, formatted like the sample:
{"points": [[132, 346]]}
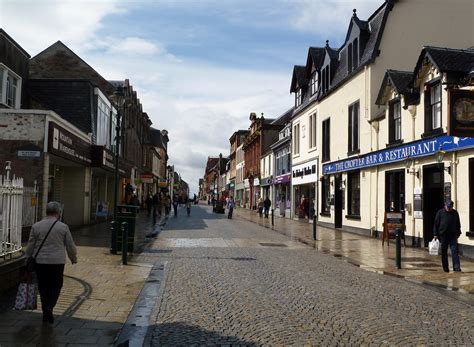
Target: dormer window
{"points": [[314, 83], [298, 97], [353, 55]]}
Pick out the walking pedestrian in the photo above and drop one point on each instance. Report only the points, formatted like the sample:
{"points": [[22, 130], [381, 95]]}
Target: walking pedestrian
{"points": [[447, 227], [50, 259], [149, 203], [230, 207], [260, 206], [175, 206], [266, 205], [188, 206]]}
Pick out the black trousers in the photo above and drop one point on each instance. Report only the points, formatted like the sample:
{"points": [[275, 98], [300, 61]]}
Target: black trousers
{"points": [[50, 282]]}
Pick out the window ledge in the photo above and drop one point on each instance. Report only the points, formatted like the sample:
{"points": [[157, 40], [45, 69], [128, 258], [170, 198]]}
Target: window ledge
{"points": [[353, 216], [325, 160], [312, 149], [432, 133], [325, 214], [470, 233], [394, 143], [349, 153]]}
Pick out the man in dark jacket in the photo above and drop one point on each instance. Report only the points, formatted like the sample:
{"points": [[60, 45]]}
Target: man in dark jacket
{"points": [[447, 227], [266, 206]]}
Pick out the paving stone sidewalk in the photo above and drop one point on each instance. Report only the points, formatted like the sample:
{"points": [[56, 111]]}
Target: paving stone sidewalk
{"points": [[97, 296], [368, 253]]}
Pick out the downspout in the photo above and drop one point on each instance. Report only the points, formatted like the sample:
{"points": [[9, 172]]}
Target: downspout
{"points": [[376, 126], [412, 110], [454, 177]]}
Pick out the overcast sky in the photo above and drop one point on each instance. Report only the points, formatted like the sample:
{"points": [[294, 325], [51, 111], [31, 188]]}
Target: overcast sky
{"points": [[199, 66]]}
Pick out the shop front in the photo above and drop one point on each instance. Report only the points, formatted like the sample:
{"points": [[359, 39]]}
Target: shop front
{"points": [[68, 171], [282, 186], [304, 182]]}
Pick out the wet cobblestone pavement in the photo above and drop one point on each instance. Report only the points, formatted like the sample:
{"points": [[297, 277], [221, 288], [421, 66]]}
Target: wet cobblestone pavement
{"points": [[236, 283]]}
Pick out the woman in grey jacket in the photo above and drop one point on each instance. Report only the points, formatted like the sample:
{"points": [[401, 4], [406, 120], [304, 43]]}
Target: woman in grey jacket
{"points": [[51, 257]]}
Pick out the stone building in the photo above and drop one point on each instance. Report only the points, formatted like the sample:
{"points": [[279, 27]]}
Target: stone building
{"points": [[235, 140]]}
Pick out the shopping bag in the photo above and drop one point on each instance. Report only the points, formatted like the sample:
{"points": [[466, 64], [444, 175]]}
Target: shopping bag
{"points": [[433, 247], [26, 297]]}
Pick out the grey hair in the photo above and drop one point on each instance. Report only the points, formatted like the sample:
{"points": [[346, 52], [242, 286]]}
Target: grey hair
{"points": [[53, 207]]}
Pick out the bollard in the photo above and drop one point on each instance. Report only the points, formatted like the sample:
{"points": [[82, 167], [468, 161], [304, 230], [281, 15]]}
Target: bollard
{"points": [[113, 243], [273, 217], [314, 228], [398, 250], [124, 242]]}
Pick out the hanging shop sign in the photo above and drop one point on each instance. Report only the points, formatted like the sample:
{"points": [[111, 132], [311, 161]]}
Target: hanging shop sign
{"points": [[461, 113], [305, 173], [147, 178], [416, 149], [67, 145]]}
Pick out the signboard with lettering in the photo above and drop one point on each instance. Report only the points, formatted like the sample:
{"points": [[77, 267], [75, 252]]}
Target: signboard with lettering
{"points": [[67, 145], [392, 222], [417, 203], [282, 179], [305, 173], [414, 149], [29, 154], [461, 113], [102, 157], [147, 178]]}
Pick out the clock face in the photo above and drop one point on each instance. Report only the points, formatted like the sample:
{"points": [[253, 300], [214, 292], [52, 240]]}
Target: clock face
{"points": [[464, 110]]}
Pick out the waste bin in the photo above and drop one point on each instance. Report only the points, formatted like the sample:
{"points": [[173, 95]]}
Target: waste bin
{"points": [[126, 213]]}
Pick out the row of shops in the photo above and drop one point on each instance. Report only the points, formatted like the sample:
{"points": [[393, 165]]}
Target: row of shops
{"points": [[50, 152]]}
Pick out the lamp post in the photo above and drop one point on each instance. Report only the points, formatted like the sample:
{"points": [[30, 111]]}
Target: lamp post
{"points": [[119, 100]]}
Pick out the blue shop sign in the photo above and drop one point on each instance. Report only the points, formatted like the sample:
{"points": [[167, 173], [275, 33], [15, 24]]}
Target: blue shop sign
{"points": [[416, 149]]}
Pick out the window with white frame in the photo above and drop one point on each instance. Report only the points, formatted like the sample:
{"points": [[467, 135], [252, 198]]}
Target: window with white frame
{"points": [[353, 127], [435, 106], [395, 122], [10, 87], [296, 139], [314, 83], [312, 130], [298, 97]]}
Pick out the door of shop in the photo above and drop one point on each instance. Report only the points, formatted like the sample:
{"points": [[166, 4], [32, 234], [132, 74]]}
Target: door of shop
{"points": [[433, 196], [395, 191], [338, 201]]}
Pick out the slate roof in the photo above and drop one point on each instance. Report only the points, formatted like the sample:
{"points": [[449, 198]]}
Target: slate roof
{"points": [[211, 163], [401, 81], [284, 118], [156, 139], [447, 59], [299, 78], [373, 28], [316, 57]]}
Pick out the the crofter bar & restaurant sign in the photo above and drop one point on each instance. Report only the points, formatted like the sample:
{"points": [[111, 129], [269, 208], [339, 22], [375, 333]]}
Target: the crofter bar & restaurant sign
{"points": [[67, 145], [410, 150]]}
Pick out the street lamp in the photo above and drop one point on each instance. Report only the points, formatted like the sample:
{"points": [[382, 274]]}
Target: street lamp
{"points": [[119, 99]]}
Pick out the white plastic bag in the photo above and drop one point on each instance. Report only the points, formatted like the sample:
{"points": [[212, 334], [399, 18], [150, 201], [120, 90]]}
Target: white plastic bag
{"points": [[433, 247]]}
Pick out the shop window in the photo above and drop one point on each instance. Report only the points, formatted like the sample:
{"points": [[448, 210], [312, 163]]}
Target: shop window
{"points": [[326, 140], [353, 128], [353, 196], [433, 107], [325, 196], [395, 122]]}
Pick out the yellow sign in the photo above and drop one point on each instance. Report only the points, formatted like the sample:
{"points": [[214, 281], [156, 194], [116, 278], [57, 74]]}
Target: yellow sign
{"points": [[33, 201]]}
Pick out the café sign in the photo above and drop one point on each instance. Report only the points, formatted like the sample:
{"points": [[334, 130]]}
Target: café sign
{"points": [[416, 149]]}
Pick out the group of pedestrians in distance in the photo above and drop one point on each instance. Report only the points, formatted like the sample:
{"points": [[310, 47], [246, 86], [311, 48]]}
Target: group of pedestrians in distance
{"points": [[264, 206]]}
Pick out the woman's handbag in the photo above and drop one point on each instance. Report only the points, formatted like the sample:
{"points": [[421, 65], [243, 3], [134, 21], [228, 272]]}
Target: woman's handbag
{"points": [[31, 262], [26, 297]]}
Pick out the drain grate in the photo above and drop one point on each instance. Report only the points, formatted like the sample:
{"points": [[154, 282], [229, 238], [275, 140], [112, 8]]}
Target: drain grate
{"points": [[151, 250], [269, 244]]}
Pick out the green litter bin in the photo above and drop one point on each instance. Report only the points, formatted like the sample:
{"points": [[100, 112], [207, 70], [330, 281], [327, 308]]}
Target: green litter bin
{"points": [[126, 213]]}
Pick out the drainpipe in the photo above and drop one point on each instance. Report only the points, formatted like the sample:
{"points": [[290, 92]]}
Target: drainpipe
{"points": [[412, 110], [376, 127], [454, 178]]}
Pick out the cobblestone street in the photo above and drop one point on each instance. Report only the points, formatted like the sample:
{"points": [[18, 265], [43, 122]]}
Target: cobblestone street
{"points": [[233, 282]]}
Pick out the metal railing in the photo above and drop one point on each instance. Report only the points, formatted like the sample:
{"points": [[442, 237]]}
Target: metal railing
{"points": [[11, 210]]}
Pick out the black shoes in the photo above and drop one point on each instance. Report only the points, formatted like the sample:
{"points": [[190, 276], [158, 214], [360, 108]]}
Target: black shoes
{"points": [[48, 316], [457, 270]]}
